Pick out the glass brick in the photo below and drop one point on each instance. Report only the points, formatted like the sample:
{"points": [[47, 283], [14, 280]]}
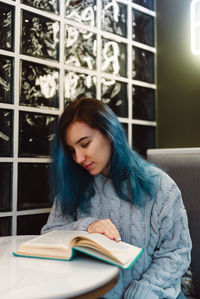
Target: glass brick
{"points": [[40, 36], [49, 6], [31, 224], [5, 226], [39, 85], [81, 11], [6, 79], [143, 28], [6, 133], [143, 65], [77, 85], [143, 103], [143, 138], [146, 3], [115, 95], [114, 17], [6, 27], [5, 187], [80, 48], [36, 134], [114, 57], [33, 186]]}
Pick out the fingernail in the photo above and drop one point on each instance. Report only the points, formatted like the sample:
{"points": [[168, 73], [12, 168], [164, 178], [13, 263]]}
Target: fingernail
{"points": [[118, 239]]}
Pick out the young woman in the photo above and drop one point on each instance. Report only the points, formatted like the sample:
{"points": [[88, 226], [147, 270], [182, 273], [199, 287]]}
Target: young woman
{"points": [[103, 186]]}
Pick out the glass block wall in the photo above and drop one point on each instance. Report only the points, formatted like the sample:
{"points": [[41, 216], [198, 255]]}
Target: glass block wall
{"points": [[52, 52]]}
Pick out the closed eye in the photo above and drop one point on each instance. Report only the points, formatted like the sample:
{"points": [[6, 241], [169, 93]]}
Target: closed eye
{"points": [[85, 144]]}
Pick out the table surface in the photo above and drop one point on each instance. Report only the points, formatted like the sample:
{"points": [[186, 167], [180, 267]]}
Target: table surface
{"points": [[39, 278]]}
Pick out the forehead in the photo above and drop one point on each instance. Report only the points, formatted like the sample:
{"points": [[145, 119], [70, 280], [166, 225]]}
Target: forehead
{"points": [[78, 130]]}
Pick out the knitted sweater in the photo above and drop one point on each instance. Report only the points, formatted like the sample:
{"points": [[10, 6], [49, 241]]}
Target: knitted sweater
{"points": [[160, 227]]}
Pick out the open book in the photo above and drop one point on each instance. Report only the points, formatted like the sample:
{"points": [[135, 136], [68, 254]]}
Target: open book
{"points": [[60, 244]]}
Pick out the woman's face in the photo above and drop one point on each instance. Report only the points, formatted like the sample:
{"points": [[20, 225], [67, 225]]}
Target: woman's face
{"points": [[90, 148]]}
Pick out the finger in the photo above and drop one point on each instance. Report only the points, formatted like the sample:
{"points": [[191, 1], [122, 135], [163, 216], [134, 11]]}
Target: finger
{"points": [[110, 230], [96, 227], [106, 227], [113, 230]]}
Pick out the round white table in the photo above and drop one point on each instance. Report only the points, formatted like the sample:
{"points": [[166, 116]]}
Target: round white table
{"points": [[24, 278]]}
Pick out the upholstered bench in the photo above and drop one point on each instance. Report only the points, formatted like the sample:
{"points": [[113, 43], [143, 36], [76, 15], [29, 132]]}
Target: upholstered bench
{"points": [[183, 165]]}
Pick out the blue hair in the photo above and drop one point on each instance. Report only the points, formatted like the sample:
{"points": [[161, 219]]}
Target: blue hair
{"points": [[73, 184]]}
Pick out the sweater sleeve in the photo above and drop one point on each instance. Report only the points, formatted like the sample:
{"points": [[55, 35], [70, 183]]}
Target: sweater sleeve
{"points": [[171, 255], [59, 221]]}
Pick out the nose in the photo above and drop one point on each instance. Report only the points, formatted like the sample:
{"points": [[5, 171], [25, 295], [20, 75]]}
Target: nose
{"points": [[79, 156]]}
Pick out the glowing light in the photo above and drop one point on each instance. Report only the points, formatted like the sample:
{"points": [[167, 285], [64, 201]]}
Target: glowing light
{"points": [[195, 27]]}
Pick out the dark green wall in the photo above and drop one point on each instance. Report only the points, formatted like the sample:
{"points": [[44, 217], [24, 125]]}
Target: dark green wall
{"points": [[178, 77]]}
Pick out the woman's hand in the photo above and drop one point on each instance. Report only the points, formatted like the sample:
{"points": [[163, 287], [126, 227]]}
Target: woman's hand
{"points": [[106, 227]]}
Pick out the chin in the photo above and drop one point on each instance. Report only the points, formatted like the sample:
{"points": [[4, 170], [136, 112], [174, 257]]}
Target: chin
{"points": [[94, 172]]}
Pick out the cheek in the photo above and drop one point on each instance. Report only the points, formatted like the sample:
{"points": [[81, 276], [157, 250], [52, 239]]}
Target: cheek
{"points": [[107, 150]]}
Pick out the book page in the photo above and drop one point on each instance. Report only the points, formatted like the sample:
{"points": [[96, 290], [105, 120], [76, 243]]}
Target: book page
{"points": [[56, 238], [53, 244], [97, 254], [121, 251], [60, 243], [100, 255]]}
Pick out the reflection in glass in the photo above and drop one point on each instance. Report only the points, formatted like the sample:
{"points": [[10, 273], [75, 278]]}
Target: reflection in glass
{"points": [[6, 26], [114, 57], [143, 138], [6, 132], [143, 65], [36, 134], [81, 11], [6, 79], [114, 93], [80, 47], [146, 3], [5, 187], [33, 187], [143, 103], [39, 85], [40, 36], [78, 85], [143, 28], [5, 226], [31, 224], [50, 6], [114, 17]]}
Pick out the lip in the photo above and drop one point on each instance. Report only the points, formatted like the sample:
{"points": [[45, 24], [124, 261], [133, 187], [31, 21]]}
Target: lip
{"points": [[88, 166]]}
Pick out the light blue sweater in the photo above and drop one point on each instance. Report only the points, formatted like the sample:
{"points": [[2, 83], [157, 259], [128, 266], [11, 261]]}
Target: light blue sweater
{"points": [[160, 227]]}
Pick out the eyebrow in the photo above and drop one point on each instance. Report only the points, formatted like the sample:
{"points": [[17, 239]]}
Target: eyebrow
{"points": [[81, 139]]}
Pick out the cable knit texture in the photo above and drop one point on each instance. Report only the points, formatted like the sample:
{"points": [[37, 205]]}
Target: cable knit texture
{"points": [[160, 227]]}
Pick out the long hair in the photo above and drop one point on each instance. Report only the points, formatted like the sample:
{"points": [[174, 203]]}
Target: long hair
{"points": [[73, 184]]}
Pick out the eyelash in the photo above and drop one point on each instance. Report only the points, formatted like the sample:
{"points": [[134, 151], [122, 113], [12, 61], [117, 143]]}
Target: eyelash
{"points": [[83, 145], [86, 144]]}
